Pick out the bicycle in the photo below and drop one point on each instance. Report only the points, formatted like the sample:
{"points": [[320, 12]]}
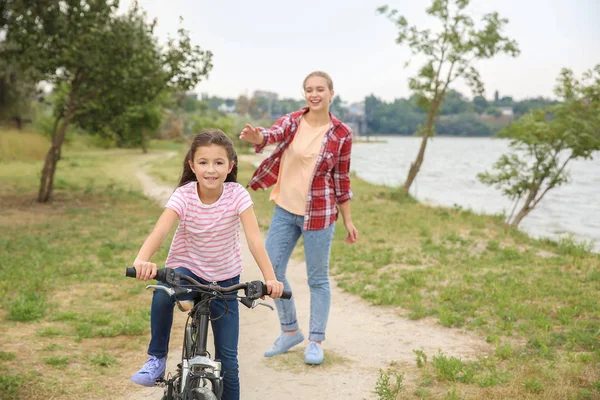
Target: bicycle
{"points": [[198, 376]]}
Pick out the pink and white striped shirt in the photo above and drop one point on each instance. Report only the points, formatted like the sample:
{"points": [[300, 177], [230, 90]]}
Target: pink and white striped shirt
{"points": [[207, 239]]}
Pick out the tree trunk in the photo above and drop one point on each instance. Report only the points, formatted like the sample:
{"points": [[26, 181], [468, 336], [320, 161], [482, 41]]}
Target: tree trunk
{"points": [[526, 209], [522, 214], [144, 143], [416, 165], [52, 158]]}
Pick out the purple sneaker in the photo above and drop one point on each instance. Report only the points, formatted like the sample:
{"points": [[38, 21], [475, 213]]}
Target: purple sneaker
{"points": [[153, 369]]}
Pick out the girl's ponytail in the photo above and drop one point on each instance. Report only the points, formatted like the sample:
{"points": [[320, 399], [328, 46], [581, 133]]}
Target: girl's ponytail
{"points": [[232, 176], [187, 175]]}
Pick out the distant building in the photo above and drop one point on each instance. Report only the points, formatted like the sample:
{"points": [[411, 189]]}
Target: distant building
{"points": [[508, 111], [355, 117], [271, 97], [266, 94], [227, 109]]}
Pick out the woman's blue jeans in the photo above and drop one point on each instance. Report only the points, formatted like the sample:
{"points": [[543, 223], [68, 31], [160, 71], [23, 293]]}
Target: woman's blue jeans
{"points": [[284, 232], [225, 330]]}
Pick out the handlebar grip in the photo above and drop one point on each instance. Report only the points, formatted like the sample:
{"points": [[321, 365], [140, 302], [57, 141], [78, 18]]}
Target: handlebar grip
{"points": [[286, 295], [161, 274]]}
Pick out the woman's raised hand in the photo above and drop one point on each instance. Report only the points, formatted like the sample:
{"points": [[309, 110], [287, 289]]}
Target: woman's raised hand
{"points": [[252, 135]]}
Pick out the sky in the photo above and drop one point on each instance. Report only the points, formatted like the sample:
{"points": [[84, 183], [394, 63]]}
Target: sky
{"points": [[273, 44]]}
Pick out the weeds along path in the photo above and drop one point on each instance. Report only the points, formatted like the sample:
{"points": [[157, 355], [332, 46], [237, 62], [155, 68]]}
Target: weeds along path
{"points": [[361, 340]]}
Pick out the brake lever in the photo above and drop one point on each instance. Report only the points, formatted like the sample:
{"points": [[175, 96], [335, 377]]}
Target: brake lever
{"points": [[170, 291], [252, 304], [260, 303]]}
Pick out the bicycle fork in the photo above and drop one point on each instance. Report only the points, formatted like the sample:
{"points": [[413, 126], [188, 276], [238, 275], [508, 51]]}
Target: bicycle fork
{"points": [[197, 360]]}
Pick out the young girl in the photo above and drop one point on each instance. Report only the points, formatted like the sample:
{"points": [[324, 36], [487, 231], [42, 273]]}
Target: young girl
{"points": [[209, 205], [311, 172]]}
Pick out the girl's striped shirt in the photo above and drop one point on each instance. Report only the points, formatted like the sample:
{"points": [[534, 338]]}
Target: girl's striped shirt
{"points": [[207, 239]]}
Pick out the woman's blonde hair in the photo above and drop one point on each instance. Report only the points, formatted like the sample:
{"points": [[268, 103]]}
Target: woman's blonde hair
{"points": [[321, 74]]}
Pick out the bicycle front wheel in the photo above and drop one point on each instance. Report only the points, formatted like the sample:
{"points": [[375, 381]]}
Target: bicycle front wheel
{"points": [[202, 393]]}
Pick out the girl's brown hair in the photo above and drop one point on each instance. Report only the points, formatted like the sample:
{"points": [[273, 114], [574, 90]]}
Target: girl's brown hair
{"points": [[206, 138]]}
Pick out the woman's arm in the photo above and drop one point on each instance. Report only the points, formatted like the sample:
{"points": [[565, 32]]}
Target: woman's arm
{"points": [[257, 248], [348, 224], [341, 172], [343, 193], [144, 268], [262, 137]]}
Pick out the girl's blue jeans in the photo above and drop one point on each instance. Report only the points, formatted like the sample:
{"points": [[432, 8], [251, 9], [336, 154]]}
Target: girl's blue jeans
{"points": [[225, 330], [284, 232]]}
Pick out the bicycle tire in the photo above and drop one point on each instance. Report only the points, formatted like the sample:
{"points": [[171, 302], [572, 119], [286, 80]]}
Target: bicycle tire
{"points": [[188, 342], [202, 393]]}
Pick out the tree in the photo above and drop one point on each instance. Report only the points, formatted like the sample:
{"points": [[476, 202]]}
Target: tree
{"points": [[254, 108], [450, 54], [480, 104], [134, 125], [243, 105], [100, 64], [158, 73], [454, 103], [493, 111], [522, 107], [545, 141], [400, 117], [16, 93], [463, 125]]}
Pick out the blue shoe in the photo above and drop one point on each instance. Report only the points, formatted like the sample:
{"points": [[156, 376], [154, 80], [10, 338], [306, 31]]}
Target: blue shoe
{"points": [[283, 343], [151, 371], [313, 354]]}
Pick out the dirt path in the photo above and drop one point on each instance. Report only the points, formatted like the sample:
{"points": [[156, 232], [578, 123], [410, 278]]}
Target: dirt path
{"points": [[368, 337]]}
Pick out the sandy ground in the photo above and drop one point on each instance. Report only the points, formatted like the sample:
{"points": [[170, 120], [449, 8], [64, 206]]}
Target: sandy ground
{"points": [[369, 337]]}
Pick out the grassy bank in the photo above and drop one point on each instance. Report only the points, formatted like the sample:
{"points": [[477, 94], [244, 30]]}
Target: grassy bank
{"points": [[535, 301], [71, 322]]}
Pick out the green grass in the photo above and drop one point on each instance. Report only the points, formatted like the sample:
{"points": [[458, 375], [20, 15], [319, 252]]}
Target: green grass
{"points": [[63, 293], [293, 361], [22, 145], [389, 385], [10, 386], [57, 361], [536, 301], [4, 356], [103, 360]]}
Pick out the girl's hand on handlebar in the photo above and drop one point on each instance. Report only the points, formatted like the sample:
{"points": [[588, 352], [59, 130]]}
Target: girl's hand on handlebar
{"points": [[145, 270], [274, 288]]}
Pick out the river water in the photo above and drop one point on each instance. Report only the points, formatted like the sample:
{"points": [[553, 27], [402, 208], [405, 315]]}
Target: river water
{"points": [[448, 177]]}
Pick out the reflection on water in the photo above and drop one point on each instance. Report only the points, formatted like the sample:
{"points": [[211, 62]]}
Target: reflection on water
{"points": [[448, 177]]}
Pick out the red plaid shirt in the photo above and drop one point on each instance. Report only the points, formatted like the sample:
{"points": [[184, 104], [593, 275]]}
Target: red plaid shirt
{"points": [[330, 183]]}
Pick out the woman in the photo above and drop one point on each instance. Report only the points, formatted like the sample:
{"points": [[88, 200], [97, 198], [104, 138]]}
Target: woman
{"points": [[310, 169]]}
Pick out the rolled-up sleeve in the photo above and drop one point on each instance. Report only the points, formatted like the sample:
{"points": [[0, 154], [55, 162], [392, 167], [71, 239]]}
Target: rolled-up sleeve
{"points": [[341, 172], [275, 133]]}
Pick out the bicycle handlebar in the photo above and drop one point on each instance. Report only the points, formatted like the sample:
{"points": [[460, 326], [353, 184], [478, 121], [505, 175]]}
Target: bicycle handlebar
{"points": [[253, 290]]}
